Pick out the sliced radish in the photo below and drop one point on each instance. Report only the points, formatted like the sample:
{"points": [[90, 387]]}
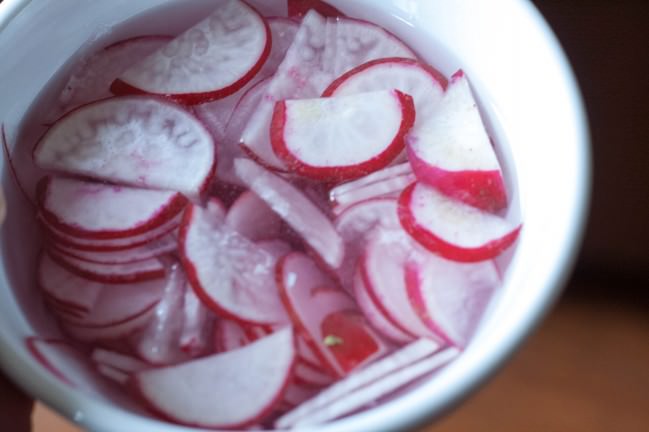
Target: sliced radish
{"points": [[307, 354], [393, 362], [209, 61], [341, 137], [451, 297], [299, 8], [378, 389], [115, 332], [326, 316], [229, 273], [321, 51], [425, 84], [296, 393], [375, 316], [229, 335], [136, 140], [370, 179], [203, 393], [113, 374], [68, 243], [100, 211], [122, 362], [152, 249], [454, 230], [283, 32], [92, 79], [251, 217], [137, 271], [383, 269], [66, 287], [196, 321], [452, 151], [295, 208], [309, 376], [159, 341], [355, 223]]}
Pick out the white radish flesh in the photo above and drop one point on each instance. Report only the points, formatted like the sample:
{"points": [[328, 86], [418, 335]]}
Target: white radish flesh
{"points": [[66, 287], [251, 217]]}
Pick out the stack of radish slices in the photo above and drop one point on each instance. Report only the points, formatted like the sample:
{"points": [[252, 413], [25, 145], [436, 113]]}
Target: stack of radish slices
{"points": [[276, 221]]}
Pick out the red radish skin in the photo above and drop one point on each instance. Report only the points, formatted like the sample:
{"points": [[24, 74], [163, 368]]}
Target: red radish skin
{"points": [[67, 242], [92, 79], [229, 47], [381, 368], [299, 8], [452, 229], [161, 145], [304, 133], [229, 335], [66, 287], [202, 393], [138, 271], [34, 346], [99, 211], [295, 209], [229, 273], [452, 151]]}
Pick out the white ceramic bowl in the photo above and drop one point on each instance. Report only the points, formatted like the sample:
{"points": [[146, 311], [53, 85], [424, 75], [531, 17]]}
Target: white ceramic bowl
{"points": [[524, 85]]}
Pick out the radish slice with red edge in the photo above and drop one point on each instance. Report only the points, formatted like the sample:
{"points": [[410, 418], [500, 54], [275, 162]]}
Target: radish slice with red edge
{"points": [[389, 364], [422, 82], [383, 269], [100, 211], [309, 376], [92, 79], [66, 287], [109, 333], [450, 297], [196, 321], [322, 50], [298, 8], [251, 217], [381, 388], [297, 393], [152, 249], [295, 209], [452, 152], [229, 335], [232, 275], [452, 229], [209, 61], [327, 316], [375, 316], [119, 361], [138, 271], [134, 140], [202, 393], [370, 179], [343, 137], [355, 223], [68, 243]]}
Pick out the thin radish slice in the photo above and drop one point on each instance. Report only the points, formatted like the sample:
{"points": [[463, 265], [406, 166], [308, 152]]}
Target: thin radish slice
{"points": [[296, 394], [251, 217], [327, 317], [452, 152], [196, 321], [374, 315], [307, 354], [388, 188], [209, 61], [454, 230], [159, 342], [307, 375], [299, 8], [66, 287], [113, 374], [283, 32], [229, 335], [451, 297], [122, 362], [152, 249], [378, 389], [341, 137], [321, 51], [136, 140], [92, 79], [68, 243], [425, 84], [370, 179], [294, 208], [393, 362], [108, 333], [138, 271], [117, 304], [354, 224], [100, 211], [383, 269], [229, 273], [202, 392]]}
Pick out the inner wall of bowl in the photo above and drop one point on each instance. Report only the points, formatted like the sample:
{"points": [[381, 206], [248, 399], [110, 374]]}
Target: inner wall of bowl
{"points": [[440, 31]]}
